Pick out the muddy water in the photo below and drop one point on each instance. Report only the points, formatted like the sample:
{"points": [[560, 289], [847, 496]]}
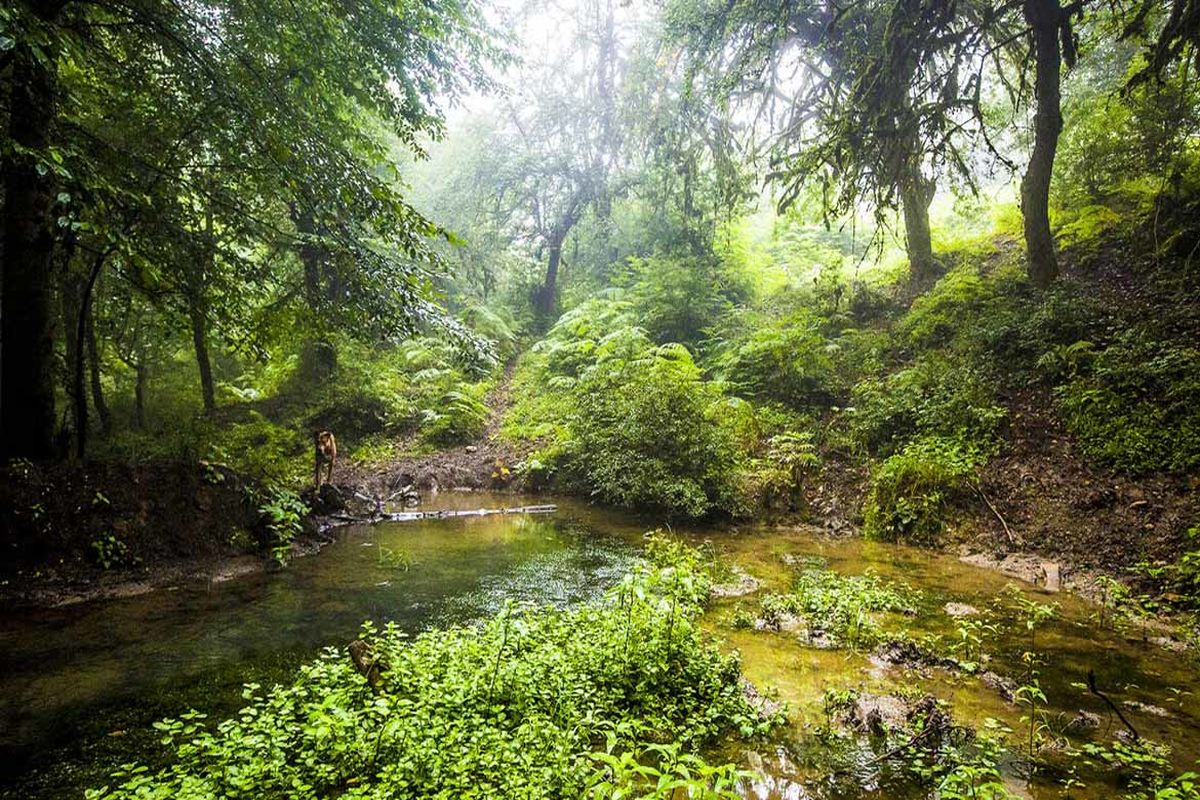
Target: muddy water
{"points": [[79, 686], [1157, 689]]}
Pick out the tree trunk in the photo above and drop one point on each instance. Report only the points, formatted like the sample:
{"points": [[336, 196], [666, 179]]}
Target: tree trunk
{"points": [[77, 383], [200, 343], [139, 394], [98, 402], [197, 288], [26, 329], [1045, 18], [310, 258], [69, 300], [916, 193], [547, 296]]}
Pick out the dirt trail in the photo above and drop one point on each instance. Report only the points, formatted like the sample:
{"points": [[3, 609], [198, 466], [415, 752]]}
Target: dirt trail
{"points": [[483, 463]]}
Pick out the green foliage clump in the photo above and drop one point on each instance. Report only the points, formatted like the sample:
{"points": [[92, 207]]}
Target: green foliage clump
{"points": [[460, 416], [777, 478], [1137, 405], [1144, 768], [786, 360], [422, 385], [108, 551], [934, 396], [531, 703], [937, 316], [282, 512], [839, 608], [260, 448], [649, 433], [628, 421], [911, 491], [676, 298]]}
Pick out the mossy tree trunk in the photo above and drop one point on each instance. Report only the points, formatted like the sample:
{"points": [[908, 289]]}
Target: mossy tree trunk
{"points": [[916, 194], [1047, 22]]}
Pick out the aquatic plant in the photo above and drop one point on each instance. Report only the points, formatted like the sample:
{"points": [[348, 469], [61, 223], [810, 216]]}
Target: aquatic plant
{"points": [[1144, 768], [839, 607], [611, 697]]}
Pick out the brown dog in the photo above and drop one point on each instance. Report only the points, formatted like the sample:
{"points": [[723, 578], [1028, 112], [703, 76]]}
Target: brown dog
{"points": [[326, 455]]}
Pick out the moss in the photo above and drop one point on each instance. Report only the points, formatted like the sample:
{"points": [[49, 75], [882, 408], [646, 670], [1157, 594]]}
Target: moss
{"points": [[912, 491]]}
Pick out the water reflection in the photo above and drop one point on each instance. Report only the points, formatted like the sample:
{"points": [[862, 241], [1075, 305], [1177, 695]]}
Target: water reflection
{"points": [[73, 674]]}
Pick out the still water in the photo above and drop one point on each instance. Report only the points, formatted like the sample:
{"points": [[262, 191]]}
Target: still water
{"points": [[80, 685]]}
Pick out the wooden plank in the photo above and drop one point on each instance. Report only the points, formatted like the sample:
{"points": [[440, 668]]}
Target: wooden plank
{"points": [[411, 516]]}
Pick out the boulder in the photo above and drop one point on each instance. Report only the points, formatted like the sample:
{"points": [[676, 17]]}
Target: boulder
{"points": [[326, 500]]}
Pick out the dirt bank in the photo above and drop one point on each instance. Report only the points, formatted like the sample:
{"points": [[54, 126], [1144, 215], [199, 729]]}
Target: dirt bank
{"points": [[77, 531], [487, 462]]}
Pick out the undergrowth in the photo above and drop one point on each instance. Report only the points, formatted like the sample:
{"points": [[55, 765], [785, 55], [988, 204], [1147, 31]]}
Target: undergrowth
{"points": [[839, 609], [614, 698]]}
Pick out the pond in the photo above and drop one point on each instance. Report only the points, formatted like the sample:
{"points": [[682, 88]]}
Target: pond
{"points": [[80, 685]]}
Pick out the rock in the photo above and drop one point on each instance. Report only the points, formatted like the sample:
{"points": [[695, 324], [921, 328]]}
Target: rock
{"points": [[1082, 722], [471, 448], [788, 623], [745, 584], [1169, 643], [407, 495], [960, 610], [360, 505], [820, 640], [1005, 687], [877, 714], [1147, 708], [903, 653], [1022, 567], [326, 500], [765, 706], [1053, 573]]}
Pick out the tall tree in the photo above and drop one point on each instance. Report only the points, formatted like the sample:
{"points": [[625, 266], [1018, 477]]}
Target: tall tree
{"points": [[30, 185], [241, 109], [834, 94], [560, 145]]}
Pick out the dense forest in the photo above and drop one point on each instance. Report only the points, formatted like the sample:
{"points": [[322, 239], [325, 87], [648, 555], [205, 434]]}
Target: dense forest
{"points": [[398, 323]]}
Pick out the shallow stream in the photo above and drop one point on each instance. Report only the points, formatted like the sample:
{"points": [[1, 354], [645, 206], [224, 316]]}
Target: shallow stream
{"points": [[80, 685]]}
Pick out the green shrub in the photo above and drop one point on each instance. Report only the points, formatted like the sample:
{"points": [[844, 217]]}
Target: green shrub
{"points": [[936, 316], [282, 513], [911, 491], [459, 416], [108, 551], [649, 433], [532, 703], [1138, 405], [935, 396], [777, 478], [676, 297], [1179, 579], [261, 449], [787, 360]]}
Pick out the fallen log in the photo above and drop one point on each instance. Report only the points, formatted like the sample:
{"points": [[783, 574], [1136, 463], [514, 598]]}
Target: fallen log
{"points": [[410, 516]]}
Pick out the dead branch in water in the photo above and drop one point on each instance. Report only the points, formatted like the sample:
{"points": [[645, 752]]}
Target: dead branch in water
{"points": [[1007, 531], [408, 516], [1091, 685]]}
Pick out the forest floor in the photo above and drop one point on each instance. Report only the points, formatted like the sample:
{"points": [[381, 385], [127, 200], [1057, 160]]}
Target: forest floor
{"points": [[71, 532], [484, 463]]}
